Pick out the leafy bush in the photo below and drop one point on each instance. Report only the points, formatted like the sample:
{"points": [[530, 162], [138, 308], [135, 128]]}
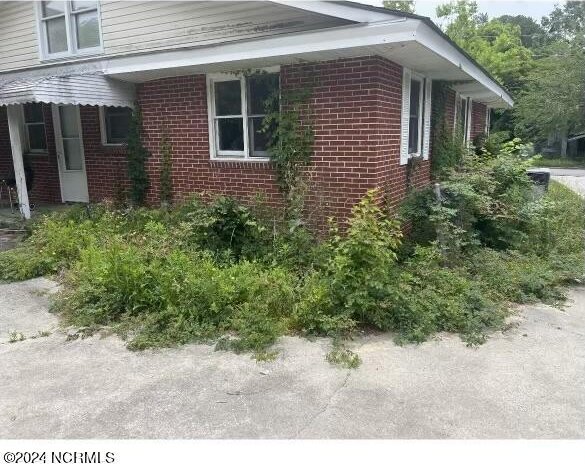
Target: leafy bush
{"points": [[430, 297], [224, 227], [220, 271]]}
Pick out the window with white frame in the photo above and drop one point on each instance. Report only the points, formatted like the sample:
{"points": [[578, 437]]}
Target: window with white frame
{"points": [[237, 108], [115, 124], [35, 140], [416, 116], [463, 117], [69, 28]]}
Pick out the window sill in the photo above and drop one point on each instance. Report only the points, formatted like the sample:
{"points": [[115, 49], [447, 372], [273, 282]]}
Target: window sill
{"points": [[71, 56], [241, 163]]}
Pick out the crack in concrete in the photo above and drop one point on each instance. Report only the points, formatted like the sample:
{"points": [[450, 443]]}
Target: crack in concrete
{"points": [[326, 407]]}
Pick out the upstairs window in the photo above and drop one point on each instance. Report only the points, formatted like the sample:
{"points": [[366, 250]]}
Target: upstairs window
{"points": [[34, 128], [237, 107], [69, 28], [115, 124]]}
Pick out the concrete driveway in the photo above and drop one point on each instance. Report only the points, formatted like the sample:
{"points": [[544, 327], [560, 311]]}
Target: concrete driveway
{"points": [[572, 178], [528, 382]]}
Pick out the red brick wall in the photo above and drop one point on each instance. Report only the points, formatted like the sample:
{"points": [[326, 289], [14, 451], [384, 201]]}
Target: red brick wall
{"points": [[179, 106], [390, 174], [450, 109], [356, 105], [356, 116], [105, 165], [5, 151], [478, 119], [45, 187]]}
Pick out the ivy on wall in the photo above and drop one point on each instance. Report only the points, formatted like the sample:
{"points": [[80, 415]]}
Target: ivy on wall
{"points": [[137, 157], [289, 126], [448, 146], [166, 170]]}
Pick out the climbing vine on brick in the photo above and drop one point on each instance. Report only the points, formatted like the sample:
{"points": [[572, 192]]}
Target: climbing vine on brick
{"points": [[137, 156], [166, 168], [289, 125]]}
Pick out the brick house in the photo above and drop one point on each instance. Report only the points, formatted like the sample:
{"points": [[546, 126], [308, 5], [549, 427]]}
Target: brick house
{"points": [[71, 72]]}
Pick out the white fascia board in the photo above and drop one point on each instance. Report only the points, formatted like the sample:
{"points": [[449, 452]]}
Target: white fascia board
{"points": [[339, 38], [337, 10], [429, 38]]}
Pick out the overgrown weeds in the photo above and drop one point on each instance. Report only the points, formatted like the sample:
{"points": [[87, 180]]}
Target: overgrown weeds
{"points": [[218, 272]]}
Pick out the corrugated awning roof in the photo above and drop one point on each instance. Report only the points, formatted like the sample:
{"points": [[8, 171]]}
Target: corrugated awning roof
{"points": [[75, 89]]}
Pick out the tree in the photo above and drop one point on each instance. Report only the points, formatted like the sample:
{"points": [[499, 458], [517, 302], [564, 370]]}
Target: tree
{"points": [[494, 44], [532, 34], [566, 22], [554, 96], [400, 5]]}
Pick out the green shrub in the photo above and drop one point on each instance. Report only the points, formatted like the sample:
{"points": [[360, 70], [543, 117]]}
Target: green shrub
{"points": [[217, 271], [224, 227], [177, 297], [429, 297], [361, 260]]}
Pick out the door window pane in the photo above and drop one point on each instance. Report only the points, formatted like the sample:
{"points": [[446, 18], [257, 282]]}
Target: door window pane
{"points": [[69, 126], [56, 35], [415, 112], [228, 98], [87, 30], [72, 153], [230, 134], [36, 137], [53, 8]]}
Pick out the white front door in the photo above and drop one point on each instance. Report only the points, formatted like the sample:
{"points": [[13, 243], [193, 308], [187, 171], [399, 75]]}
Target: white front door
{"points": [[69, 144]]}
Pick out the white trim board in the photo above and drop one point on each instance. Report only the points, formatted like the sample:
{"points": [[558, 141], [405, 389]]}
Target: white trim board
{"points": [[385, 38]]}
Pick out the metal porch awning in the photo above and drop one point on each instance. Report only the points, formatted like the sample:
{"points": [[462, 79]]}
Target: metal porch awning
{"points": [[73, 89]]}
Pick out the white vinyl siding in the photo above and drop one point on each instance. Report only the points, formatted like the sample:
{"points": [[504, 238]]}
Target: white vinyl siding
{"points": [[129, 27], [18, 35], [139, 26]]}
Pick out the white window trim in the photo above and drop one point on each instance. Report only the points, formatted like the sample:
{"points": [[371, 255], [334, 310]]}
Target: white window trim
{"points": [[459, 98], [468, 120], [421, 106], [26, 137], [230, 155], [425, 104], [104, 130], [72, 49]]}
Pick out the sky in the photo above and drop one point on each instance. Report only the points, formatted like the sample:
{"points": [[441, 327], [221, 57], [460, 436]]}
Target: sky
{"points": [[534, 8]]}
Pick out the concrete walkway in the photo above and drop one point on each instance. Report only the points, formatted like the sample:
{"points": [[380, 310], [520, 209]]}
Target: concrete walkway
{"points": [[528, 382], [572, 178]]}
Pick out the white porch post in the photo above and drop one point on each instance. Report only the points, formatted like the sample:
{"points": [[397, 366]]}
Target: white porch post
{"points": [[15, 130]]}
